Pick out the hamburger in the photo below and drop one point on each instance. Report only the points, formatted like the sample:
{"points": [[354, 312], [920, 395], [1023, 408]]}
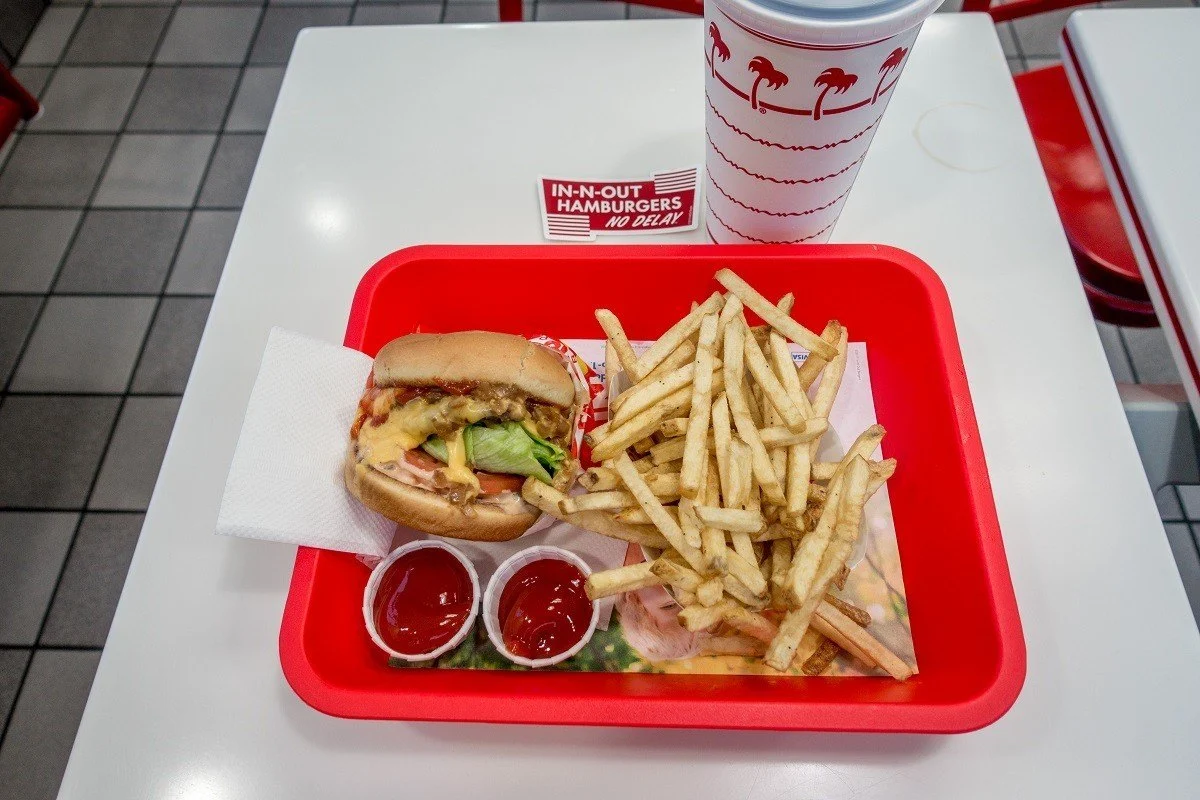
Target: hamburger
{"points": [[451, 425]]}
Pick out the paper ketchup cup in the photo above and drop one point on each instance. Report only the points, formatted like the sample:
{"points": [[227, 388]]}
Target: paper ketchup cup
{"points": [[503, 605], [423, 588], [794, 92]]}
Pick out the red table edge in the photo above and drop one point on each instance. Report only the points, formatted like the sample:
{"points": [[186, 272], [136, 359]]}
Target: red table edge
{"points": [[1125, 198], [964, 717]]}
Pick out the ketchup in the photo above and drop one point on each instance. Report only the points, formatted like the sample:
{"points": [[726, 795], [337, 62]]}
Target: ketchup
{"points": [[544, 609], [423, 600]]}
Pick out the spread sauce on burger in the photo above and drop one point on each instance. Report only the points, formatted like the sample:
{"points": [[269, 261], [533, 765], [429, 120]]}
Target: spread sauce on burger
{"points": [[464, 416]]}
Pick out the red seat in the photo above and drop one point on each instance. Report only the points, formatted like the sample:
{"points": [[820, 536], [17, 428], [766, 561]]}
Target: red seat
{"points": [[1106, 263]]}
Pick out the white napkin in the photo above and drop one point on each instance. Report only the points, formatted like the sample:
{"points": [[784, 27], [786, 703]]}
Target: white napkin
{"points": [[285, 484]]}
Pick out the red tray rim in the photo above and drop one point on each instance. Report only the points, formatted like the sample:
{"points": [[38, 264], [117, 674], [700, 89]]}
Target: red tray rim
{"points": [[969, 715]]}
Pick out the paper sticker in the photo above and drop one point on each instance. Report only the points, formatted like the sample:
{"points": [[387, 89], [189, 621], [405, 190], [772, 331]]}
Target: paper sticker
{"points": [[577, 210]]}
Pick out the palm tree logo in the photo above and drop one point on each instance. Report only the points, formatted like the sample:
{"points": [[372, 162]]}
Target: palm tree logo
{"points": [[767, 74], [890, 63], [719, 48], [837, 80]]}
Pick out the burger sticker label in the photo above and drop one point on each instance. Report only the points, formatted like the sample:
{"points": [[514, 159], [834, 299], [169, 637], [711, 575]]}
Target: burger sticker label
{"points": [[579, 210]]}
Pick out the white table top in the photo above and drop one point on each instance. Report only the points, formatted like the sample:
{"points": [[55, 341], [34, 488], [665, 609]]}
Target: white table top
{"points": [[1133, 72], [392, 136]]}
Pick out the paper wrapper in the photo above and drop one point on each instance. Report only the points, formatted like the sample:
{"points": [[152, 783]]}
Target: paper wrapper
{"points": [[788, 126]]}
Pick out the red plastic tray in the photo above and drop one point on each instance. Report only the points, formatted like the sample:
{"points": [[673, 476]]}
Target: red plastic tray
{"points": [[966, 629]]}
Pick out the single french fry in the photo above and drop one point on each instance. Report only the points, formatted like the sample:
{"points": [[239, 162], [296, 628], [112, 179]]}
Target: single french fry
{"points": [[688, 522], [840, 580], [881, 471], [637, 516], [685, 598], [823, 628], [785, 369], [813, 365], [665, 452], [799, 463], [547, 499], [684, 354], [642, 465], [599, 479], [666, 524], [672, 428], [747, 572], [730, 311], [695, 451], [710, 592], [596, 434], [773, 316], [861, 616], [622, 579], [782, 436], [875, 651], [831, 381], [698, 617], [712, 540], [773, 390], [731, 519], [665, 485], [736, 645], [675, 335], [781, 560], [749, 622], [722, 436], [821, 658], [596, 501], [667, 468], [772, 533], [738, 591], [678, 576], [782, 648], [740, 474], [620, 342]]}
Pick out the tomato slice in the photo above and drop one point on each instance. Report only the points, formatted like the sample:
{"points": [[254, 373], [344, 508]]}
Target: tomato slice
{"points": [[495, 483], [489, 482], [422, 460]]}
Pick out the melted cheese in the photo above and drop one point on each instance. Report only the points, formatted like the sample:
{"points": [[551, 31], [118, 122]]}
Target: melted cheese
{"points": [[410, 425], [457, 469]]}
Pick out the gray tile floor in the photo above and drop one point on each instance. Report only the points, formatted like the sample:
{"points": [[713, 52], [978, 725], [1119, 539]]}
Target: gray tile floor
{"points": [[117, 208]]}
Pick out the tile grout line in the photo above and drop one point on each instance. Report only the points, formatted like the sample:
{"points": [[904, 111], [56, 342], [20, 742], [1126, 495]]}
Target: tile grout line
{"points": [[70, 239], [120, 404]]}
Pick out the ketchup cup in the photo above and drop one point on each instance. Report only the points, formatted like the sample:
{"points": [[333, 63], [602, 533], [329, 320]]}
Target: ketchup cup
{"points": [[423, 599], [535, 608]]}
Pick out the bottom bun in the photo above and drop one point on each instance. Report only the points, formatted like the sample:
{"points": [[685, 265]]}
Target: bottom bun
{"points": [[429, 512]]}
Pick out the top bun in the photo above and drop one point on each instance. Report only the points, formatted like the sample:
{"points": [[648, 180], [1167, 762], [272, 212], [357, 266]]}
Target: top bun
{"points": [[428, 359]]}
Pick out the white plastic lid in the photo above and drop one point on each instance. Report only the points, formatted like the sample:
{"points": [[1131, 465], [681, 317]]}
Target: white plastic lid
{"points": [[830, 22]]}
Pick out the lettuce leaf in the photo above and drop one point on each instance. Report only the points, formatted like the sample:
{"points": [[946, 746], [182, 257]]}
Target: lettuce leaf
{"points": [[505, 447]]}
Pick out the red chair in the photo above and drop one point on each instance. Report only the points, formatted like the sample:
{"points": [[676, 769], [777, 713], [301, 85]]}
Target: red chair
{"points": [[1111, 279], [16, 104]]}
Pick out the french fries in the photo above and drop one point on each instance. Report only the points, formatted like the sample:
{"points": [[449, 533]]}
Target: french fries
{"points": [[749, 533]]}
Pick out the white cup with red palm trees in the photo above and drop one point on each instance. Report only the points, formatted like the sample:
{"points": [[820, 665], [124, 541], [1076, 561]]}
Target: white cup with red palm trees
{"points": [[794, 92]]}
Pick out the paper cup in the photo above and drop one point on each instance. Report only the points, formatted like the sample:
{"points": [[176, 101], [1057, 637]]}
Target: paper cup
{"points": [[495, 588], [791, 106], [373, 582]]}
